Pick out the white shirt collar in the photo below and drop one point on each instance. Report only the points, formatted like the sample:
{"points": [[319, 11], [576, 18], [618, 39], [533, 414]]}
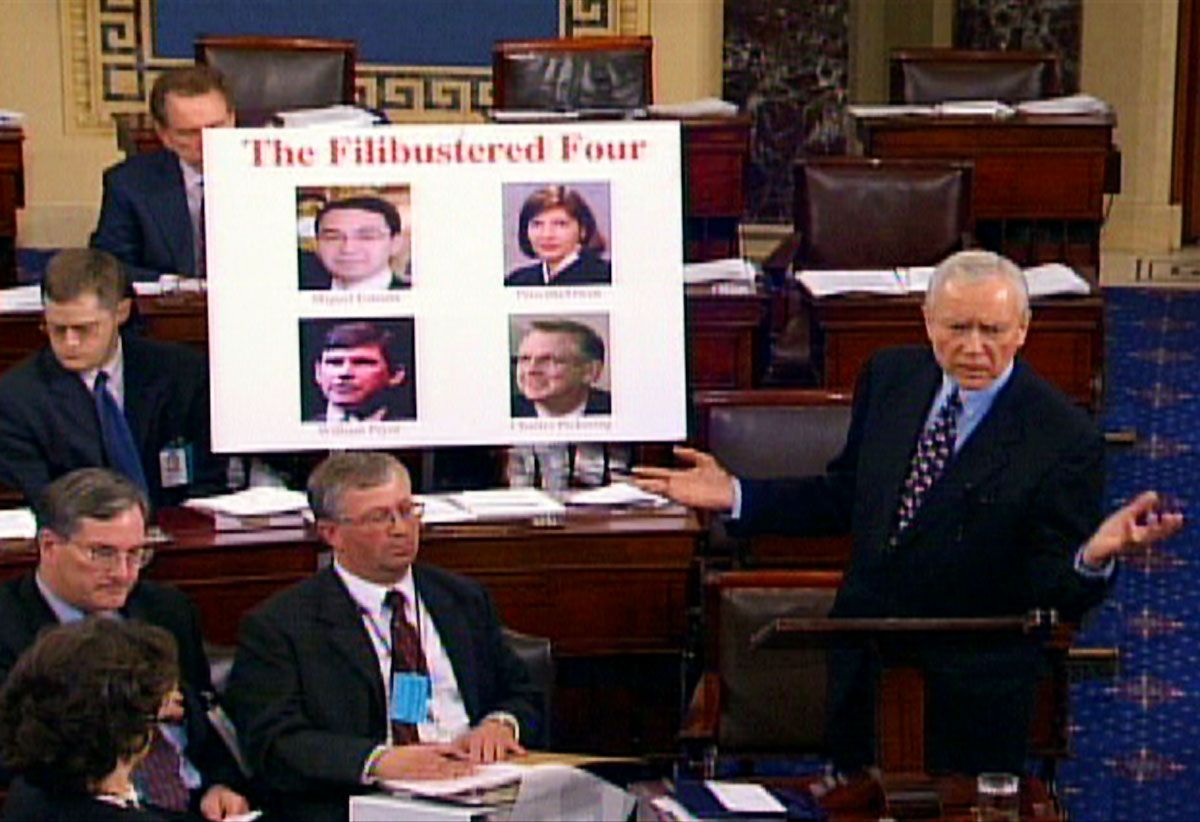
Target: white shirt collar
{"points": [[114, 366], [379, 281], [548, 275], [369, 595], [335, 413]]}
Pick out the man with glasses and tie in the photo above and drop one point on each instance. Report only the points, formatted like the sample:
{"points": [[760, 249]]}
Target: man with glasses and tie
{"points": [[972, 488], [97, 397], [358, 238], [91, 550], [375, 668]]}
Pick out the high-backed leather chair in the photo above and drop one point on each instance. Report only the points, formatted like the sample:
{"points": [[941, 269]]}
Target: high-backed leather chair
{"points": [[538, 655], [269, 74], [767, 434], [935, 75], [573, 73], [750, 703]]}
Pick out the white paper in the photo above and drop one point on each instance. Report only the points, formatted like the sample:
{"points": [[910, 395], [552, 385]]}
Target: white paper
{"points": [[729, 269], [741, 797], [899, 110], [669, 808], [1054, 278], [869, 281], [915, 279], [1073, 104], [483, 778], [975, 108], [618, 493], [442, 510], [260, 501], [510, 503], [21, 299], [704, 107], [339, 115], [8, 117], [569, 794], [17, 523]]}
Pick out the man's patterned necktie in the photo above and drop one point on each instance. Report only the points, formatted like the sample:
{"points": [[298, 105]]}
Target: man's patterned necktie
{"points": [[934, 450], [406, 657]]}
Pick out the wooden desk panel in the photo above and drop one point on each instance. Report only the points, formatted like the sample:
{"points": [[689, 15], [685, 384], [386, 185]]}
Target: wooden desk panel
{"points": [[1065, 342], [12, 197]]}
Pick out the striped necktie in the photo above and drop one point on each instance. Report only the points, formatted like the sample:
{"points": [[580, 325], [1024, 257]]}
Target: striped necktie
{"points": [[407, 657]]}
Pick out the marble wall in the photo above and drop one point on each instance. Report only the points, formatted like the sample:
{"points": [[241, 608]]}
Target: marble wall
{"points": [[1037, 25]]}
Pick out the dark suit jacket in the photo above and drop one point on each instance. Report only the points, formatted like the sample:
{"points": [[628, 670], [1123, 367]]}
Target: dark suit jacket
{"points": [[27, 803], [24, 613], [48, 423], [144, 220], [588, 269], [314, 277], [598, 402], [306, 695], [996, 535]]}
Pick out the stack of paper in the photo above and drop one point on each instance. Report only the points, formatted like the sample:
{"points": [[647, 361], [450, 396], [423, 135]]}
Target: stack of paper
{"points": [[509, 503], [21, 299], [253, 502], [1074, 104], [618, 493], [704, 107], [863, 281], [1054, 278], [11, 118], [340, 116], [17, 523], [732, 269], [975, 108], [441, 509], [896, 110]]}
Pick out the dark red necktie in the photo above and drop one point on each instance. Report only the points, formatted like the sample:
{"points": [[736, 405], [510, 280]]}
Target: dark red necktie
{"points": [[406, 658], [157, 775]]}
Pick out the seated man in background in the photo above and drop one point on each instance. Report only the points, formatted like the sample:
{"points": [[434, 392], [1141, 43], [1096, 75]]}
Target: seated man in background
{"points": [[92, 548], [97, 397], [151, 217], [972, 488], [558, 364], [357, 238], [374, 668], [362, 375]]}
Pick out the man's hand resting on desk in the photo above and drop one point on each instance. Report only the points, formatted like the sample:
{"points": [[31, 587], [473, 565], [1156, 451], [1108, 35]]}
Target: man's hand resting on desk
{"points": [[1147, 519], [420, 762], [220, 802], [704, 485], [490, 741]]}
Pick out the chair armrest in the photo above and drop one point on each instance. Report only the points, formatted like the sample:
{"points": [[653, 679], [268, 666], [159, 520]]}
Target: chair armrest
{"points": [[703, 712], [777, 263]]}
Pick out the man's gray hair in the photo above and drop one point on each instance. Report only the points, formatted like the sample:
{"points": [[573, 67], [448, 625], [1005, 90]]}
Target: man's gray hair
{"points": [[94, 493], [348, 471], [977, 265]]}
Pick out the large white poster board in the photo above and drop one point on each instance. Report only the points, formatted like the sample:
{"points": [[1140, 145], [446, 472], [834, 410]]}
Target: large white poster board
{"points": [[462, 340]]}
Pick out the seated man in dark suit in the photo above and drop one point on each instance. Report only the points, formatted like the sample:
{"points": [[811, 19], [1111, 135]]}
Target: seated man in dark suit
{"points": [[558, 364], [97, 397], [972, 488], [357, 238], [376, 667], [363, 375], [151, 217], [92, 547]]}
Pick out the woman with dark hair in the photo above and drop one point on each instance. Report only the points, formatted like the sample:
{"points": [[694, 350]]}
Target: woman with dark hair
{"points": [[557, 228], [77, 715]]}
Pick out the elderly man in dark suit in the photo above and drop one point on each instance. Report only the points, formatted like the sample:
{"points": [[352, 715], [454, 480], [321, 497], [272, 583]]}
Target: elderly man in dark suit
{"points": [[151, 217], [972, 488], [558, 364], [97, 397], [375, 668], [92, 547]]}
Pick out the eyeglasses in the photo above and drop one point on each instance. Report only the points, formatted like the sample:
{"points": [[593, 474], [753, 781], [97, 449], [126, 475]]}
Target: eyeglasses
{"points": [[109, 557], [547, 363], [357, 236], [387, 517], [83, 331]]}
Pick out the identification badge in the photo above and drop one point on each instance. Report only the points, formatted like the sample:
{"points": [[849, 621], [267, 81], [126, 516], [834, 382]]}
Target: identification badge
{"points": [[175, 465], [410, 698]]}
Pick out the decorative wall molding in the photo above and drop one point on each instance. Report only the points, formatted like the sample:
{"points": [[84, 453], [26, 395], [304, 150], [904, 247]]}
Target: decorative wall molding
{"points": [[109, 65]]}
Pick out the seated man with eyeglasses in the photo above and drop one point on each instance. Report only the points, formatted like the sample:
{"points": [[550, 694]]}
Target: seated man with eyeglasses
{"points": [[91, 550], [375, 668], [97, 397]]}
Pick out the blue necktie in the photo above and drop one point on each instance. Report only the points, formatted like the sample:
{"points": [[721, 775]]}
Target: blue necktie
{"points": [[934, 449], [115, 433]]}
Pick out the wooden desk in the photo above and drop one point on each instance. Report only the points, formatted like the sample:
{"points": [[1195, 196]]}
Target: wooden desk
{"points": [[1039, 181], [12, 197], [1065, 342], [716, 152]]}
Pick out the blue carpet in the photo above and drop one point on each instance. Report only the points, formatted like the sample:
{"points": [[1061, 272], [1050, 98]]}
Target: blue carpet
{"points": [[1137, 753]]}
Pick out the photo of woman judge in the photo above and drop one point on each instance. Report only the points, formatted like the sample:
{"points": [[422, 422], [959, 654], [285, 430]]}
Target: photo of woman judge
{"points": [[558, 229], [77, 715]]}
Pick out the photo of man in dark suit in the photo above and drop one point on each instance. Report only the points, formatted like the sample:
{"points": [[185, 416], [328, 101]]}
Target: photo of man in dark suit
{"points": [[151, 216], [557, 365], [378, 667], [98, 397], [363, 370], [972, 488], [91, 550], [357, 239]]}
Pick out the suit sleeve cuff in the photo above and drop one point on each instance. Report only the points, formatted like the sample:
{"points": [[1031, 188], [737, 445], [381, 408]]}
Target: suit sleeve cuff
{"points": [[366, 778], [735, 511], [508, 719], [1104, 571]]}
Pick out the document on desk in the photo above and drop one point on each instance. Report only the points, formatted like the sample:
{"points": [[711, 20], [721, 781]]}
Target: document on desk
{"points": [[898, 110], [463, 788], [617, 493], [253, 502], [863, 281], [22, 299], [18, 523], [745, 798], [1072, 104], [441, 509], [509, 503], [733, 269], [1054, 278]]}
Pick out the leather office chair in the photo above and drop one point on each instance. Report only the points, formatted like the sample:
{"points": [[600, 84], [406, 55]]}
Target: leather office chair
{"points": [[538, 655], [270, 74], [754, 703], [766, 434], [935, 75], [573, 73]]}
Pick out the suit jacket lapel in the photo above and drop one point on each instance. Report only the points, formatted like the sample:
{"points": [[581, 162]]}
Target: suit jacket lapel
{"points": [[168, 209], [455, 634], [907, 411], [347, 636], [141, 393], [73, 401], [36, 610]]}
